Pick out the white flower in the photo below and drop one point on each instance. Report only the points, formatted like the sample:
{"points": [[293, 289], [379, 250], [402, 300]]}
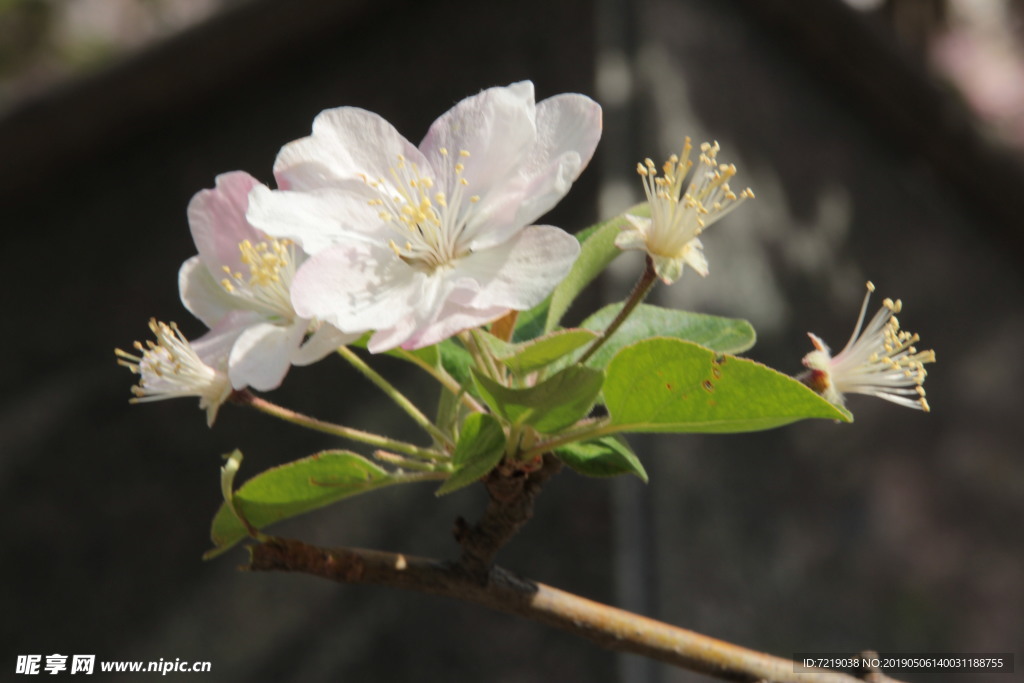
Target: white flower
{"points": [[421, 243], [670, 235], [171, 367], [241, 280], [882, 361]]}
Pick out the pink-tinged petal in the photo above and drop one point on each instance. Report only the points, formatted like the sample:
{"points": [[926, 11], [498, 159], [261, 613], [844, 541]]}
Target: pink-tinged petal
{"points": [[358, 287], [201, 294], [348, 143], [497, 128], [214, 347], [217, 220], [314, 220], [262, 355], [322, 342], [452, 319], [387, 339], [521, 272]]}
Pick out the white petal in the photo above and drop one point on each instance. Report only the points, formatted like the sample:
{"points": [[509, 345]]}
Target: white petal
{"points": [[357, 287], [387, 339], [262, 355], [217, 220], [521, 272], [568, 130], [452, 319], [214, 347], [498, 130], [693, 254], [322, 342], [495, 126], [203, 296], [346, 143], [633, 236], [315, 220]]}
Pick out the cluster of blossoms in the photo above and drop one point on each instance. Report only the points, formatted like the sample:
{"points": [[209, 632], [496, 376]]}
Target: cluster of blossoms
{"points": [[368, 233], [371, 236]]}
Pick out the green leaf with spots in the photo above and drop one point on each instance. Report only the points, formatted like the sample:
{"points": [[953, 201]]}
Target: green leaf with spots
{"points": [[670, 385]]}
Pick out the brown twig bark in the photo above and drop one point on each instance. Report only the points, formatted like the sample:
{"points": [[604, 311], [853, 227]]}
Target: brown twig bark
{"points": [[513, 487], [609, 627]]}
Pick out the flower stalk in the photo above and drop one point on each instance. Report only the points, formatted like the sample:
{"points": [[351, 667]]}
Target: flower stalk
{"points": [[395, 395], [640, 291], [369, 438]]}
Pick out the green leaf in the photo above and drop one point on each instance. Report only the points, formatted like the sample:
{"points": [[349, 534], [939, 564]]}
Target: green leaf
{"points": [[294, 488], [605, 457], [456, 360], [525, 357], [597, 251], [549, 406], [724, 335], [670, 385], [480, 447]]}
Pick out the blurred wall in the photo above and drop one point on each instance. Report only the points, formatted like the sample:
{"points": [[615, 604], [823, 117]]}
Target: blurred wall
{"points": [[900, 532]]}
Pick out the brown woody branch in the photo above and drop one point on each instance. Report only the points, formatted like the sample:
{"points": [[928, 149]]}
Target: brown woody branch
{"points": [[512, 488], [609, 627]]}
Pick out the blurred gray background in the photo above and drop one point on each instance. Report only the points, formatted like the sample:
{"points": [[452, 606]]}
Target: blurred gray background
{"points": [[883, 142]]}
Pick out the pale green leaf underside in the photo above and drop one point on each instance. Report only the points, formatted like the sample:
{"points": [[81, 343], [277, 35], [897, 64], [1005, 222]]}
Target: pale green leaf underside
{"points": [[723, 335], [597, 251], [526, 357], [549, 406], [294, 488], [480, 448], [607, 456]]}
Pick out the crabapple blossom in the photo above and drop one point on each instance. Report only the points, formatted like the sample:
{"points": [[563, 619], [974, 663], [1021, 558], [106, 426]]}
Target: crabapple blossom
{"points": [[420, 243], [173, 367], [882, 361], [241, 280], [671, 235]]}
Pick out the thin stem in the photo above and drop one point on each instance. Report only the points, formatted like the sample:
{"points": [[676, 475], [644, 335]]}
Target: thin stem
{"points": [[481, 359], [288, 415], [443, 378], [395, 395], [640, 290], [494, 370], [607, 626], [588, 429], [474, 352], [442, 471]]}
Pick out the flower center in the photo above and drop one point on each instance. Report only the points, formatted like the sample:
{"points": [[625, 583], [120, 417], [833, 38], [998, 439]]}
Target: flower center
{"points": [[677, 217], [267, 288], [429, 226], [169, 367]]}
